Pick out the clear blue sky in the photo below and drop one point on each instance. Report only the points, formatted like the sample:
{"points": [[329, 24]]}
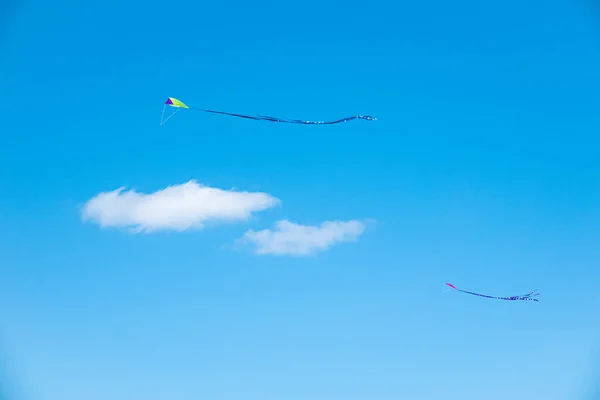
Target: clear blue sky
{"points": [[482, 171]]}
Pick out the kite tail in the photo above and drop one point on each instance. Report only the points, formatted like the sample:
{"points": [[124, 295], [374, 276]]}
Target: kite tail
{"points": [[288, 121], [527, 296]]}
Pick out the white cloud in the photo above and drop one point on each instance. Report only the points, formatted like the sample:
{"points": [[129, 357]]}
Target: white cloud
{"points": [[177, 207], [289, 238]]}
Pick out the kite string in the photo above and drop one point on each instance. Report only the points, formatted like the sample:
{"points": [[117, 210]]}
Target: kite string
{"points": [[163, 121]]}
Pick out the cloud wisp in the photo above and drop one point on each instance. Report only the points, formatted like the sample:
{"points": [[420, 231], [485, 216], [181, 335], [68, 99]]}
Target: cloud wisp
{"points": [[176, 207], [289, 238]]}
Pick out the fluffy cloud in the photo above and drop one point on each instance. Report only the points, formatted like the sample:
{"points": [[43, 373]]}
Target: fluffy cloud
{"points": [[289, 238], [177, 207]]}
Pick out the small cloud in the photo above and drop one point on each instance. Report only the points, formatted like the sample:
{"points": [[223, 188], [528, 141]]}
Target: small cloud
{"points": [[176, 208], [289, 238]]}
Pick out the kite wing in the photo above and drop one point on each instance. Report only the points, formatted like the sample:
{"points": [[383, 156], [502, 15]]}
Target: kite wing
{"points": [[173, 102], [178, 104], [524, 297]]}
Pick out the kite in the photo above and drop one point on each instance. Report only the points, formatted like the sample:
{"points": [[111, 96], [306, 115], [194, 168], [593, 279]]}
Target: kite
{"points": [[179, 105], [521, 297]]}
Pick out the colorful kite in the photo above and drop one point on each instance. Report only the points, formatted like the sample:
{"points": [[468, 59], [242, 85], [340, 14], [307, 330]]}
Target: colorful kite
{"points": [[522, 297], [172, 102]]}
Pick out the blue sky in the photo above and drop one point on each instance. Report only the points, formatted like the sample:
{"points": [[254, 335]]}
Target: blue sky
{"points": [[481, 171]]}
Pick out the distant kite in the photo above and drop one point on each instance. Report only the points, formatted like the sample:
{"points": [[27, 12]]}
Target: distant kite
{"points": [[172, 102], [521, 297]]}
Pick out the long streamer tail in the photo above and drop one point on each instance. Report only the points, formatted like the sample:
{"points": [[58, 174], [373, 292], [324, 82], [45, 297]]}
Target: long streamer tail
{"points": [[524, 297], [288, 121]]}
